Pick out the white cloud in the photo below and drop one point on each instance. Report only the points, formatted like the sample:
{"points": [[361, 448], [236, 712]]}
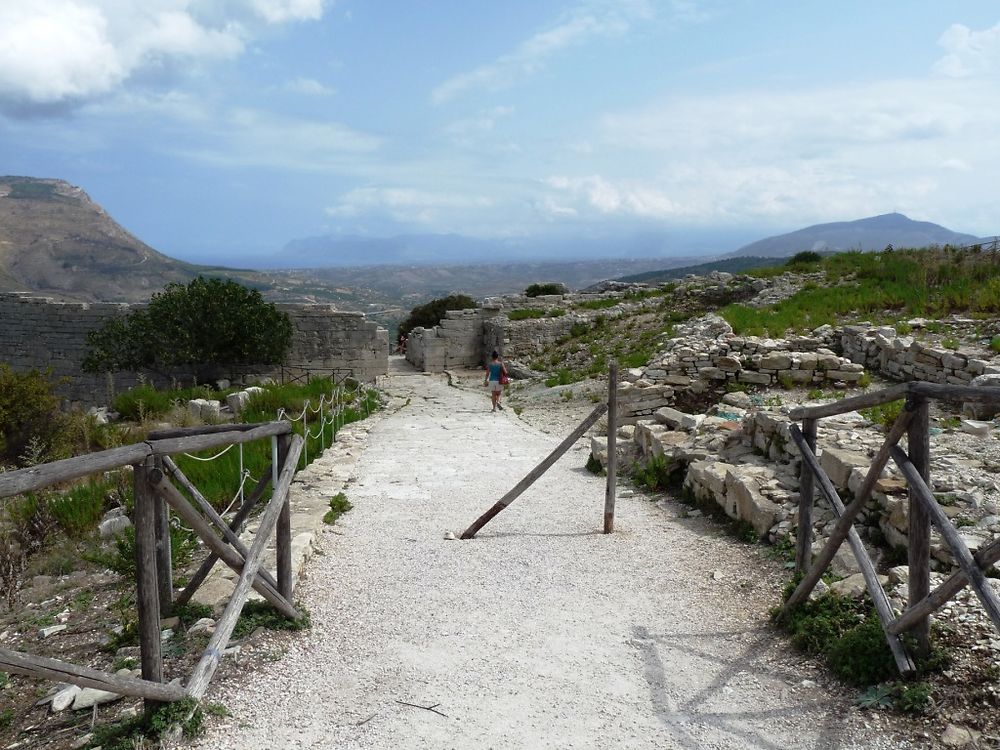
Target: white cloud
{"points": [[786, 156], [67, 52], [279, 11], [405, 204], [310, 87], [586, 23], [969, 52], [251, 138]]}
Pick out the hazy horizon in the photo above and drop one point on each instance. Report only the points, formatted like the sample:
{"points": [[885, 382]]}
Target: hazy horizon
{"points": [[220, 132]]}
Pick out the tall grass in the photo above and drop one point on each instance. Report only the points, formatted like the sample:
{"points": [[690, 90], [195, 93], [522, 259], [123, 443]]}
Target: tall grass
{"points": [[882, 286]]}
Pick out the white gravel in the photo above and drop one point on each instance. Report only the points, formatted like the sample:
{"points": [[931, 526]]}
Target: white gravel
{"points": [[539, 633]]}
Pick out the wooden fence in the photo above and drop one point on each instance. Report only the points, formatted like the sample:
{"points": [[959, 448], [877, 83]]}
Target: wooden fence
{"points": [[924, 512], [153, 470]]}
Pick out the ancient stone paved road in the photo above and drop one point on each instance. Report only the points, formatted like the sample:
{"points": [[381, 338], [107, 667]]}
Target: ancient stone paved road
{"points": [[541, 632]]}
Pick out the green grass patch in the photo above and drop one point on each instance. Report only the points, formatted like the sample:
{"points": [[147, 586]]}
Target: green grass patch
{"points": [[657, 474], [597, 304], [883, 414], [263, 615], [339, 504], [526, 313], [563, 376]]}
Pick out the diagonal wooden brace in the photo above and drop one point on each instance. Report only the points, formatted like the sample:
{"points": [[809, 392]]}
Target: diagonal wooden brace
{"points": [[903, 661], [976, 578], [227, 554], [958, 580], [846, 521]]}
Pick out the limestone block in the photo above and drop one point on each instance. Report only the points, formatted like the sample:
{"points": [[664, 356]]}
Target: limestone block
{"points": [[237, 401], [707, 480], [712, 373], [744, 500], [759, 378], [776, 361], [808, 361], [729, 364], [838, 464], [982, 411], [670, 417]]}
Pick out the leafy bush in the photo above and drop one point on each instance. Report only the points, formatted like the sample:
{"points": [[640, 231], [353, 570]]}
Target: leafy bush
{"points": [[861, 656], [209, 325], [431, 313], [537, 290], [29, 416], [594, 465], [805, 258], [257, 614], [815, 624], [995, 343]]}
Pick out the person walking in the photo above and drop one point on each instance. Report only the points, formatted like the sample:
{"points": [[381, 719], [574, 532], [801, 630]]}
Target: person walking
{"points": [[496, 378]]}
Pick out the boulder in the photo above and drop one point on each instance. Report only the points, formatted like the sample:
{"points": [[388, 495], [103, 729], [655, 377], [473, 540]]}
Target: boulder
{"points": [[838, 465], [982, 411], [745, 501]]}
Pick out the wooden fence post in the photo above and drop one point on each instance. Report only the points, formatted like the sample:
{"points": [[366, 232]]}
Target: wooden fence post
{"points": [[919, 534], [283, 531], [164, 562], [147, 593], [804, 536], [609, 492]]}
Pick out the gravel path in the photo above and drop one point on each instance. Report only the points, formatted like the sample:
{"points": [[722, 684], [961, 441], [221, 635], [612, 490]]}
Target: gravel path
{"points": [[541, 632]]}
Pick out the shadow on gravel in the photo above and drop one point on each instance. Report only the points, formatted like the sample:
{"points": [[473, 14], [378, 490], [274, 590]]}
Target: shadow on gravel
{"points": [[502, 534], [708, 705]]}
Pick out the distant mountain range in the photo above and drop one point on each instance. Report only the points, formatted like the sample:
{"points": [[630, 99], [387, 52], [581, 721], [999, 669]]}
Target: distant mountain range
{"points": [[873, 233], [56, 241]]}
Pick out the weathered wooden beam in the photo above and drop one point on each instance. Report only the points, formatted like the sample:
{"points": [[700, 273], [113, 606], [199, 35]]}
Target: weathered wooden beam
{"points": [[535, 473], [170, 446], [845, 524], [966, 562], [878, 595], [226, 553], [283, 530], [918, 535], [804, 534], [164, 562], [893, 393], [610, 489], [918, 612], [209, 662], [31, 665], [236, 526], [212, 429], [947, 392], [206, 507], [35, 477], [147, 592]]}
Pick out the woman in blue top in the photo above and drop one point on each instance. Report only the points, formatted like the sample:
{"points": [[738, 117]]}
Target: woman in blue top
{"points": [[495, 372]]}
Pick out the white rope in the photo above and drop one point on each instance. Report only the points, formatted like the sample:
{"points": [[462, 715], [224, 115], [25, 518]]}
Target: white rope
{"points": [[220, 453], [239, 492]]}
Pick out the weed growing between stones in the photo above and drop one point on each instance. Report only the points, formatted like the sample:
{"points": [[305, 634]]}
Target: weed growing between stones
{"points": [[594, 466], [883, 414], [658, 474], [339, 504], [263, 615], [141, 732]]}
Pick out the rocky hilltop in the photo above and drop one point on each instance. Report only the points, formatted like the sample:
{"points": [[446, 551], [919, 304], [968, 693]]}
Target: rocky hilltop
{"points": [[54, 239]]}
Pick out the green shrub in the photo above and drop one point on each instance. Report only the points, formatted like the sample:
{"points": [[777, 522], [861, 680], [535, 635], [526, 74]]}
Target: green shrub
{"points": [[431, 313], [861, 655], [578, 329], [594, 465], [555, 312], [658, 474], [339, 504], [526, 313], [912, 698], [806, 257], [995, 343], [29, 416], [79, 510], [537, 290], [208, 325], [563, 376], [883, 414], [815, 624]]}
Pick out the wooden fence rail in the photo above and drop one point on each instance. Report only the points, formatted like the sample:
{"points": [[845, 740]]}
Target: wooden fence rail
{"points": [[914, 463], [152, 470]]}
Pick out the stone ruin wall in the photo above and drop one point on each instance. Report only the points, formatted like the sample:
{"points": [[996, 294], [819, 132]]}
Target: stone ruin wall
{"points": [[38, 333]]}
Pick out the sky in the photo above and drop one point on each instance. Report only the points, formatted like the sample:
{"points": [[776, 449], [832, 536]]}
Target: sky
{"points": [[222, 129]]}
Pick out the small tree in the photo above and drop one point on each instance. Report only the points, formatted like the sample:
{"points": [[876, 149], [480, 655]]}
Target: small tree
{"points": [[537, 290], [29, 411], [209, 325], [430, 314]]}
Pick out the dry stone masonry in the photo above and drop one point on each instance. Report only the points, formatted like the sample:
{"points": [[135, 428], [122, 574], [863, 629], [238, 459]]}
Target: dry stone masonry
{"points": [[38, 333]]}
